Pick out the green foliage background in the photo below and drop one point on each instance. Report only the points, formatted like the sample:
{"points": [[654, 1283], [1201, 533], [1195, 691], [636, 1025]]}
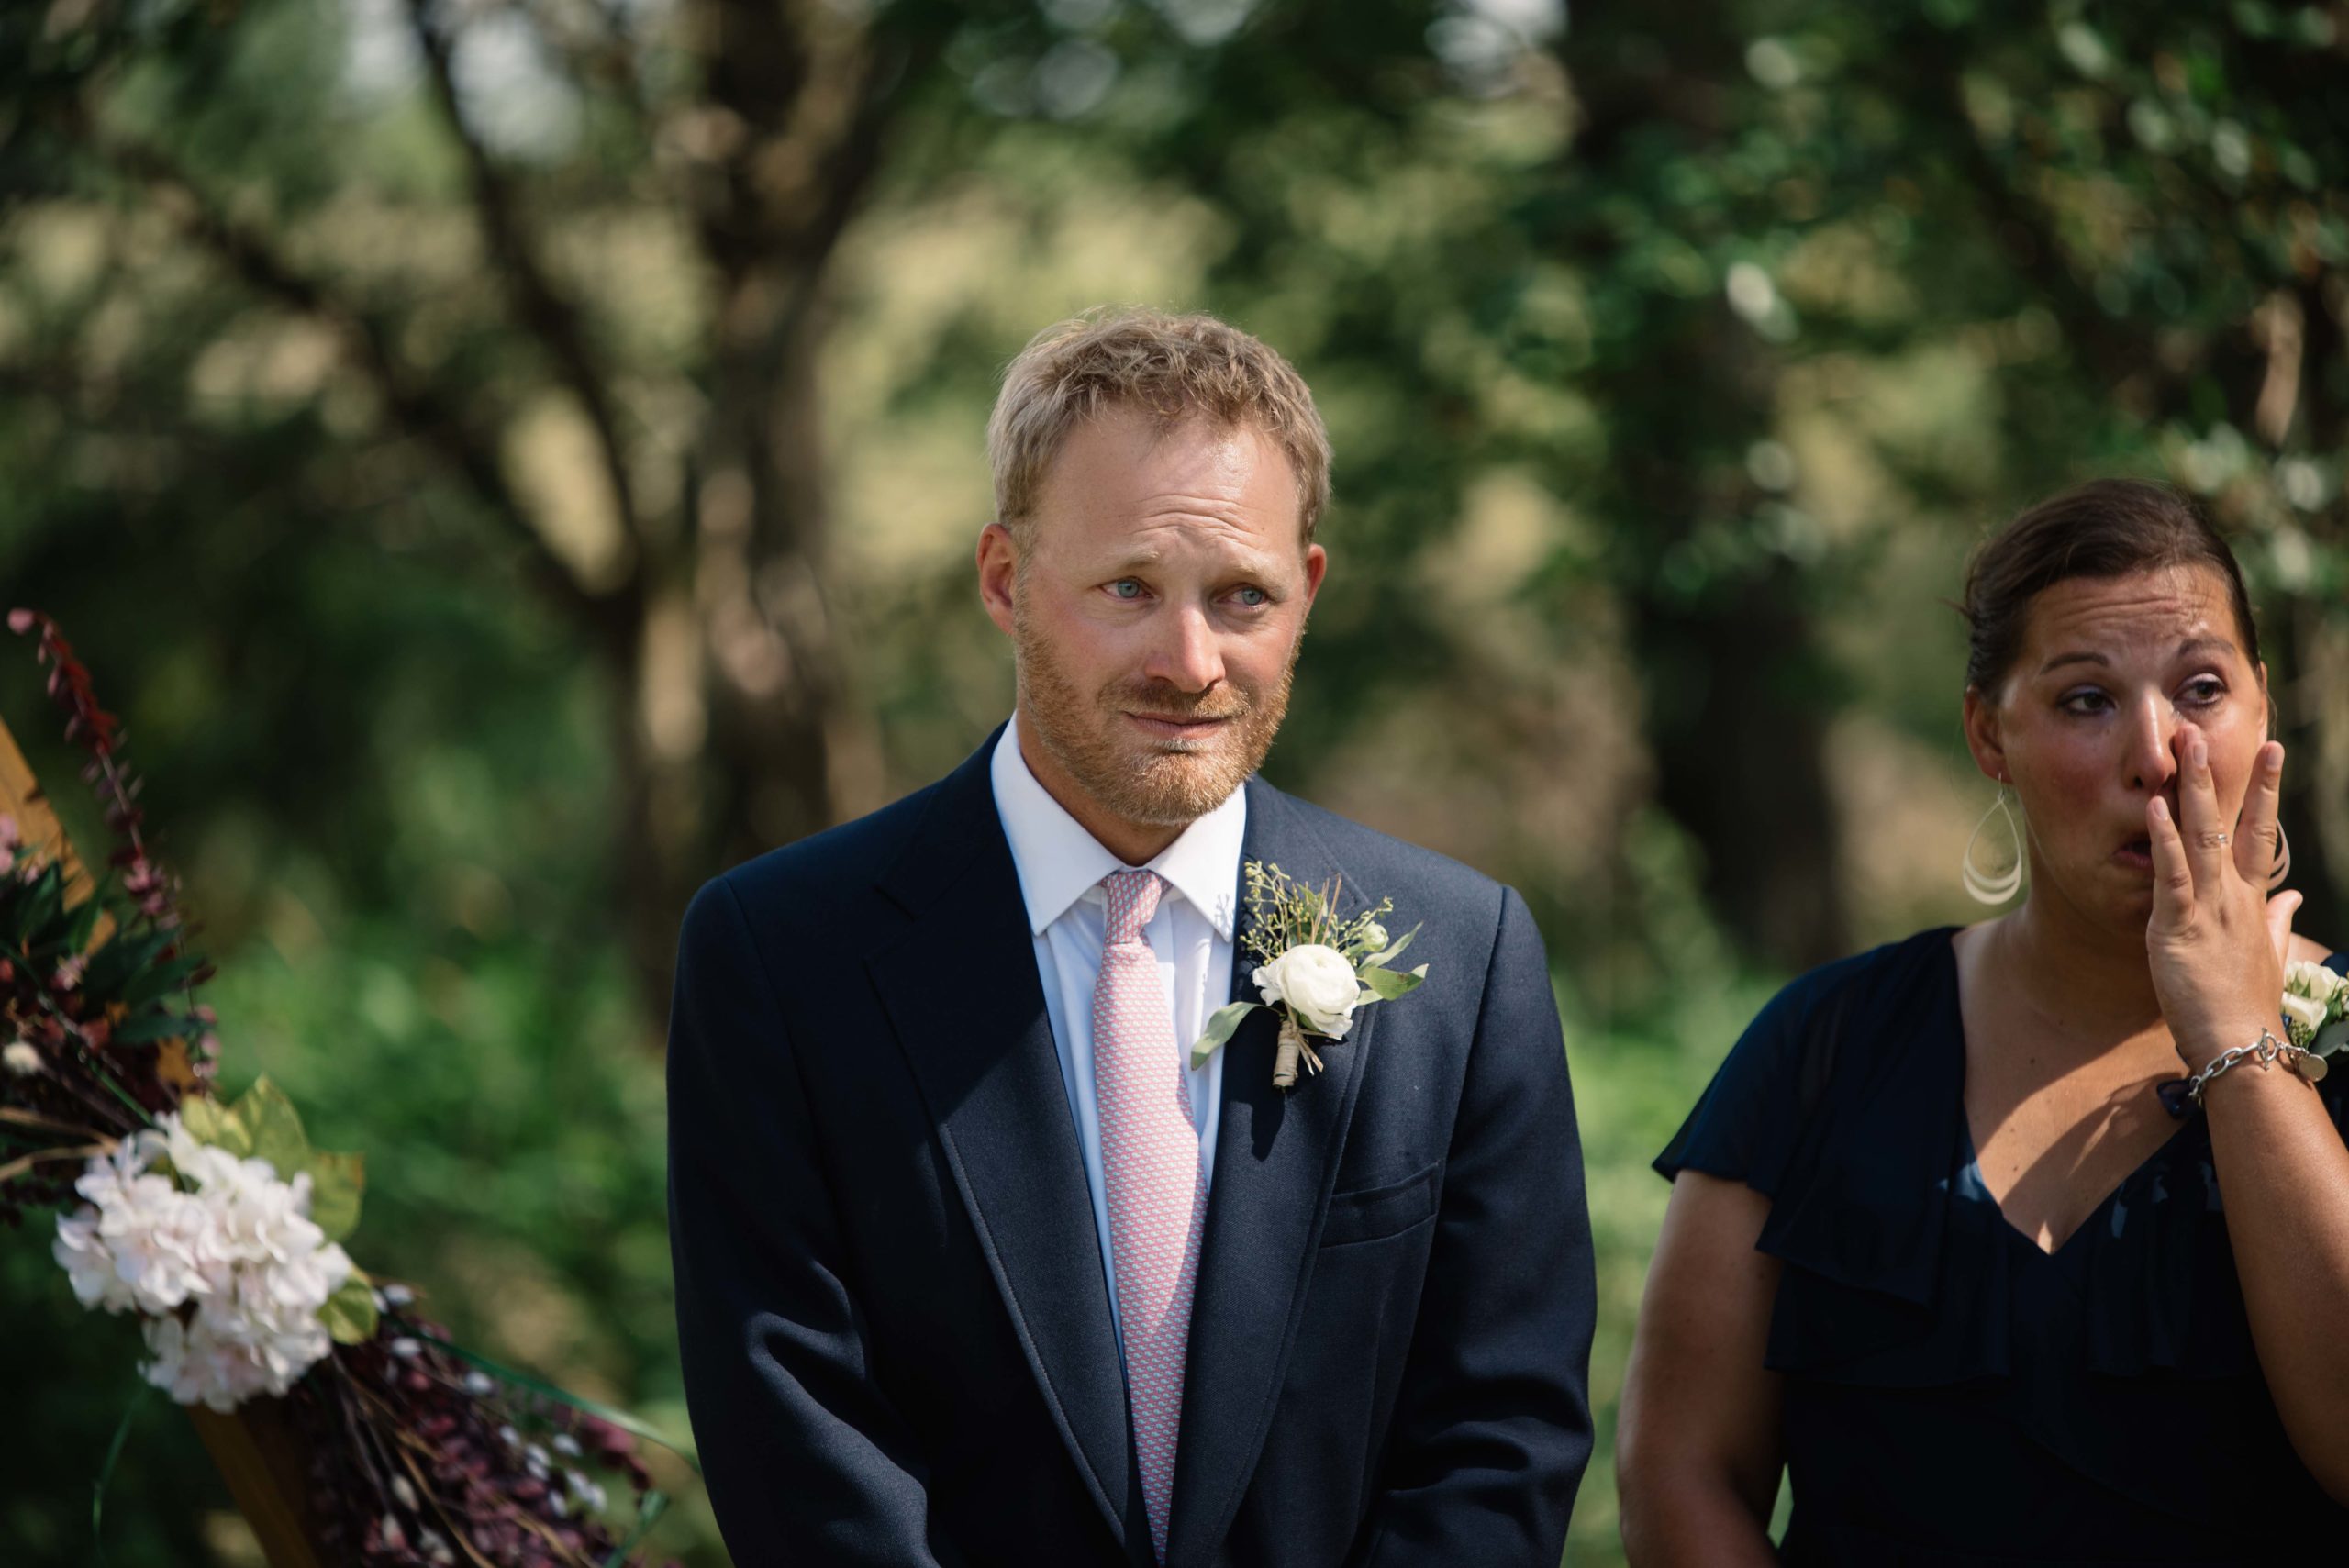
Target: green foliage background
{"points": [[507, 461]]}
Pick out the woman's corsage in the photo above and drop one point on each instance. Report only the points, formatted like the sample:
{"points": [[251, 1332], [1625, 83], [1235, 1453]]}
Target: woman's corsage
{"points": [[1312, 968], [2315, 1008]]}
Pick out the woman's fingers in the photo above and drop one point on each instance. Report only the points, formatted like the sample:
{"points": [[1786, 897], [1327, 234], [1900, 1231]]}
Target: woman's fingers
{"points": [[2173, 876], [2206, 838], [2256, 833]]}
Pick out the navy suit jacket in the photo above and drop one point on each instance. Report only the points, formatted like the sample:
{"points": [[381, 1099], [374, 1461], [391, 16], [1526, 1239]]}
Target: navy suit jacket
{"points": [[896, 1334]]}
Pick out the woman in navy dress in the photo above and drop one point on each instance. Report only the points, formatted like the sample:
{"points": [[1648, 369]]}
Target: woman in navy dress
{"points": [[1938, 1249]]}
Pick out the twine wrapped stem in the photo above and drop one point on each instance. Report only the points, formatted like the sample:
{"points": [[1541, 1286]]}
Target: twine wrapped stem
{"points": [[1291, 1047]]}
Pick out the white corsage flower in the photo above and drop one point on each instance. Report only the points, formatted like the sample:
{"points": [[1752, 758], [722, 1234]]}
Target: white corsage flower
{"points": [[2314, 998], [1319, 985], [1315, 970]]}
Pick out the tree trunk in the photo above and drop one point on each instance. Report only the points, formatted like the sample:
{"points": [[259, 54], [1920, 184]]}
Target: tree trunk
{"points": [[1740, 754]]}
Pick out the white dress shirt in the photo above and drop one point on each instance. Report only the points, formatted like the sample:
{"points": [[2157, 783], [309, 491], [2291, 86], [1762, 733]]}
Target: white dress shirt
{"points": [[1060, 866]]}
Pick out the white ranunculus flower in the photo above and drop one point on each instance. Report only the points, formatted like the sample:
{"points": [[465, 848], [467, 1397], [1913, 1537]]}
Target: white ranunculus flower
{"points": [[1319, 985], [2309, 992], [2313, 981], [2303, 1016]]}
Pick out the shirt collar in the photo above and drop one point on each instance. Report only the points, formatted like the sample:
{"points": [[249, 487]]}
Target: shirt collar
{"points": [[1059, 862]]}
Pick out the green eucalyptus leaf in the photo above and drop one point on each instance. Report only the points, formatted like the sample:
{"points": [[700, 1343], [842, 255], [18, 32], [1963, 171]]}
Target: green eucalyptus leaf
{"points": [[1393, 951], [210, 1121], [337, 1183], [1390, 983], [276, 1128], [1220, 1029], [349, 1313], [2332, 1037]]}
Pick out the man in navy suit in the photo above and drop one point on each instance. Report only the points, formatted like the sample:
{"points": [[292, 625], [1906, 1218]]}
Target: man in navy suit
{"points": [[975, 1266]]}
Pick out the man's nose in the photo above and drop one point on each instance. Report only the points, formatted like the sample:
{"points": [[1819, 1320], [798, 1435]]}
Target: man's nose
{"points": [[1186, 654]]}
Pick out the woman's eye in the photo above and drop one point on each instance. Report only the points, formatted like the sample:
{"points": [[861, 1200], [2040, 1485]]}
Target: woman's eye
{"points": [[1125, 588], [2205, 692], [2084, 701]]}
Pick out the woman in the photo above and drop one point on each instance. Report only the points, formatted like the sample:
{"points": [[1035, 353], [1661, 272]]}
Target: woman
{"points": [[1936, 1246]]}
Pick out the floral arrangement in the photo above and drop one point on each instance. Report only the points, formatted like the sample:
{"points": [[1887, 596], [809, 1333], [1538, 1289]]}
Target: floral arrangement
{"points": [[2316, 1007], [1312, 968], [221, 1229]]}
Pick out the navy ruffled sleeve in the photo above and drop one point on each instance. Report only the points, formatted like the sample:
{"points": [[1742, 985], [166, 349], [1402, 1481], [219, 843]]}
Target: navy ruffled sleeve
{"points": [[1750, 1119]]}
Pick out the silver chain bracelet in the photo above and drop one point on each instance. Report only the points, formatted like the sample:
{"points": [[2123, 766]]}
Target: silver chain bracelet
{"points": [[2263, 1051]]}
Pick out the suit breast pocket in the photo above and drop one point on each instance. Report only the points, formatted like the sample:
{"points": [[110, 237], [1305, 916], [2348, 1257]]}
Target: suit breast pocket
{"points": [[1373, 1214]]}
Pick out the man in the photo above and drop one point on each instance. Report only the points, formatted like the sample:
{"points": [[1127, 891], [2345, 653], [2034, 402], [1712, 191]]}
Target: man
{"points": [[974, 1266]]}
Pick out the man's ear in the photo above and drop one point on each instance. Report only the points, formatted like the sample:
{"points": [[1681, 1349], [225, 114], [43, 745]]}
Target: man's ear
{"points": [[999, 574], [1317, 565], [1982, 736]]}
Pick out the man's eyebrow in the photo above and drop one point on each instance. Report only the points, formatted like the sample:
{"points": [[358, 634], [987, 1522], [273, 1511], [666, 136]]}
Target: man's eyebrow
{"points": [[1249, 565]]}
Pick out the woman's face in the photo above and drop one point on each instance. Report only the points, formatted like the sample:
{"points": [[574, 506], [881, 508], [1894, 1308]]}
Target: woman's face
{"points": [[2089, 722]]}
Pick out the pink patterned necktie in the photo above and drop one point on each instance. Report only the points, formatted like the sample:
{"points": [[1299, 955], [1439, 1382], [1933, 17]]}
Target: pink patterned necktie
{"points": [[1149, 1166]]}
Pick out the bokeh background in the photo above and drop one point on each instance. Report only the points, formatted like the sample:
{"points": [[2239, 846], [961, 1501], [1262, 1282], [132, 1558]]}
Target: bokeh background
{"points": [[507, 460]]}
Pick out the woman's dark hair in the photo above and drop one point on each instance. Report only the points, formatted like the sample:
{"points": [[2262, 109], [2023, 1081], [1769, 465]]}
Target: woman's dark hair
{"points": [[2106, 527]]}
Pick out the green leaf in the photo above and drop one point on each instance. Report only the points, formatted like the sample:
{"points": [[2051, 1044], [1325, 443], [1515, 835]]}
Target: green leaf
{"points": [[649, 1512], [337, 1183], [153, 1026], [160, 980], [276, 1128], [210, 1121], [83, 925], [349, 1313], [1381, 959], [1220, 1029], [39, 907], [1390, 983], [123, 956]]}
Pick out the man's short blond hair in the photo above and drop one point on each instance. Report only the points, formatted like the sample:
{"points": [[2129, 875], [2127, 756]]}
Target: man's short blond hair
{"points": [[1171, 368]]}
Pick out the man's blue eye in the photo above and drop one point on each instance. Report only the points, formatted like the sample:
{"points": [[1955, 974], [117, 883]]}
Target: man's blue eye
{"points": [[1254, 596], [1120, 586]]}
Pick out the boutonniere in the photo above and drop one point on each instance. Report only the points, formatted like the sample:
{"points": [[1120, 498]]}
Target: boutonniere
{"points": [[2315, 1008], [1312, 968]]}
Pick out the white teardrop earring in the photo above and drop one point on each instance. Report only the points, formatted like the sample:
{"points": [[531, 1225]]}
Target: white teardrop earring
{"points": [[2283, 860], [1994, 887]]}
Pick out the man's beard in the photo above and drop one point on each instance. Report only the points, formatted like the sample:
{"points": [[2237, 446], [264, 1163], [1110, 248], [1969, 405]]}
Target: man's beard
{"points": [[1164, 782]]}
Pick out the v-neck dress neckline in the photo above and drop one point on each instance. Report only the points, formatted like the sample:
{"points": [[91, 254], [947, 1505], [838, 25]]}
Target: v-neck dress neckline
{"points": [[1953, 984]]}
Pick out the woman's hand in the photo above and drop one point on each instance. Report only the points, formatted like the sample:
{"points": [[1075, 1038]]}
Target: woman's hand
{"points": [[2216, 940]]}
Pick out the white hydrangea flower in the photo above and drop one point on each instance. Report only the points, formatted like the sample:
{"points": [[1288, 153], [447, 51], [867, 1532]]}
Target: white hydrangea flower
{"points": [[225, 1264]]}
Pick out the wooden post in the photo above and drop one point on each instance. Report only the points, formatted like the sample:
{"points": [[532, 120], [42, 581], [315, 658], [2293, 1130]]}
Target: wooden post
{"points": [[256, 1449], [260, 1457]]}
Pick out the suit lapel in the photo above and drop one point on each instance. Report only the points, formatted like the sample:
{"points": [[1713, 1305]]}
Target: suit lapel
{"points": [[1275, 1161], [960, 988]]}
